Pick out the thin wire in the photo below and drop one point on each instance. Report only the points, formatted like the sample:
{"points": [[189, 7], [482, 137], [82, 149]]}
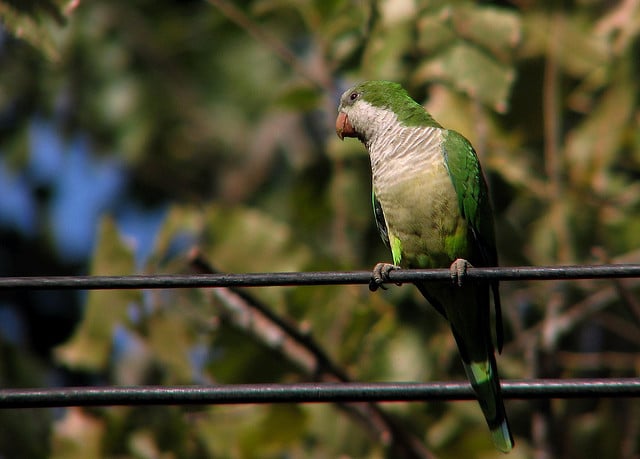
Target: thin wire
{"points": [[312, 278], [310, 393]]}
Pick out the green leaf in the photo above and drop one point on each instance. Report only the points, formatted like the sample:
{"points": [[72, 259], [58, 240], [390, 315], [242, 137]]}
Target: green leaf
{"points": [[495, 29], [35, 23], [581, 50], [299, 97], [234, 237], [471, 71], [435, 32], [77, 435], [281, 427], [90, 346], [383, 57], [594, 144], [170, 341]]}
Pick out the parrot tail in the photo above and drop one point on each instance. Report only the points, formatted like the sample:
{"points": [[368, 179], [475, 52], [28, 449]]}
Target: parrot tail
{"points": [[484, 380]]}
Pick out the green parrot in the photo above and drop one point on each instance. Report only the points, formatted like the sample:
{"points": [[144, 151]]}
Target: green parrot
{"points": [[432, 208]]}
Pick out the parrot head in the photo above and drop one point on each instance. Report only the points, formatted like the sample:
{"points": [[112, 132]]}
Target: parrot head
{"points": [[370, 106]]}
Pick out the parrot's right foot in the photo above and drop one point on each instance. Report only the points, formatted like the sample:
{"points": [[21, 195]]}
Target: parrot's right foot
{"points": [[458, 271], [380, 275]]}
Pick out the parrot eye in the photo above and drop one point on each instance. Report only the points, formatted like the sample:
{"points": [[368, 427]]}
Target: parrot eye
{"points": [[353, 96]]}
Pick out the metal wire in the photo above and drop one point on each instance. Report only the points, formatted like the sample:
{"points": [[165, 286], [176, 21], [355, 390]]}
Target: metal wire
{"points": [[310, 393], [312, 278]]}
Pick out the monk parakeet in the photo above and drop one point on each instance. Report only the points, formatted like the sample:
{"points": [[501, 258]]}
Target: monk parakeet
{"points": [[432, 208]]}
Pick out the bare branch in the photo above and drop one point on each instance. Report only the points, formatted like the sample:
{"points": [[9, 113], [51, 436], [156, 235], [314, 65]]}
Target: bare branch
{"points": [[236, 15], [256, 319]]}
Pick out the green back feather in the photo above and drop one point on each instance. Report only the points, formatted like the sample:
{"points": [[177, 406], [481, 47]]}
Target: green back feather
{"points": [[473, 198]]}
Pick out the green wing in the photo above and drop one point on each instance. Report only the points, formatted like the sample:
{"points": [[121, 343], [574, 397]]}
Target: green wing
{"points": [[390, 241], [380, 221], [473, 198]]}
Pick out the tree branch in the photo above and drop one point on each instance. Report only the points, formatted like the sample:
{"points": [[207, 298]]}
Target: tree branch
{"points": [[237, 16], [253, 317]]}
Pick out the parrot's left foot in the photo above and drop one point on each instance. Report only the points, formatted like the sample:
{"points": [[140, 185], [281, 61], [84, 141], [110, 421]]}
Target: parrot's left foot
{"points": [[458, 271], [380, 275]]}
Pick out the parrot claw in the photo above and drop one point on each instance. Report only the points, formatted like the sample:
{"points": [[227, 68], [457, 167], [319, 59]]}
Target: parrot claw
{"points": [[458, 271], [380, 275]]}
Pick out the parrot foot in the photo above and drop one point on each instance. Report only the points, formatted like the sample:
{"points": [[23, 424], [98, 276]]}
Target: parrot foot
{"points": [[380, 275], [458, 271]]}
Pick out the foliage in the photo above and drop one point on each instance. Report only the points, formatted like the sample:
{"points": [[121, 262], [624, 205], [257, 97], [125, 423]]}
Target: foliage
{"points": [[222, 114]]}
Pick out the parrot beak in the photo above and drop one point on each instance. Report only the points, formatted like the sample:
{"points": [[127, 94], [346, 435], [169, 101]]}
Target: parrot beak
{"points": [[343, 126]]}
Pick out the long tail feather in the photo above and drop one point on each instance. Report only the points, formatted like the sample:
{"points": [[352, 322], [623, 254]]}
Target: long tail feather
{"points": [[484, 380]]}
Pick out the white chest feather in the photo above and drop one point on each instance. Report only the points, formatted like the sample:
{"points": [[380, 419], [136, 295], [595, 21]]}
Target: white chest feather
{"points": [[401, 154], [413, 186]]}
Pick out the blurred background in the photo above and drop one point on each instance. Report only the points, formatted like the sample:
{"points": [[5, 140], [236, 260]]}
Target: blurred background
{"points": [[189, 136]]}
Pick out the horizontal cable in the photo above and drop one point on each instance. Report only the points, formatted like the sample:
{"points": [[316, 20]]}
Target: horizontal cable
{"points": [[313, 278], [310, 393]]}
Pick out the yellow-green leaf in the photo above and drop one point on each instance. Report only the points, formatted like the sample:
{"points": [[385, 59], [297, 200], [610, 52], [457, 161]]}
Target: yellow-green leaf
{"points": [[471, 71], [90, 346]]}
